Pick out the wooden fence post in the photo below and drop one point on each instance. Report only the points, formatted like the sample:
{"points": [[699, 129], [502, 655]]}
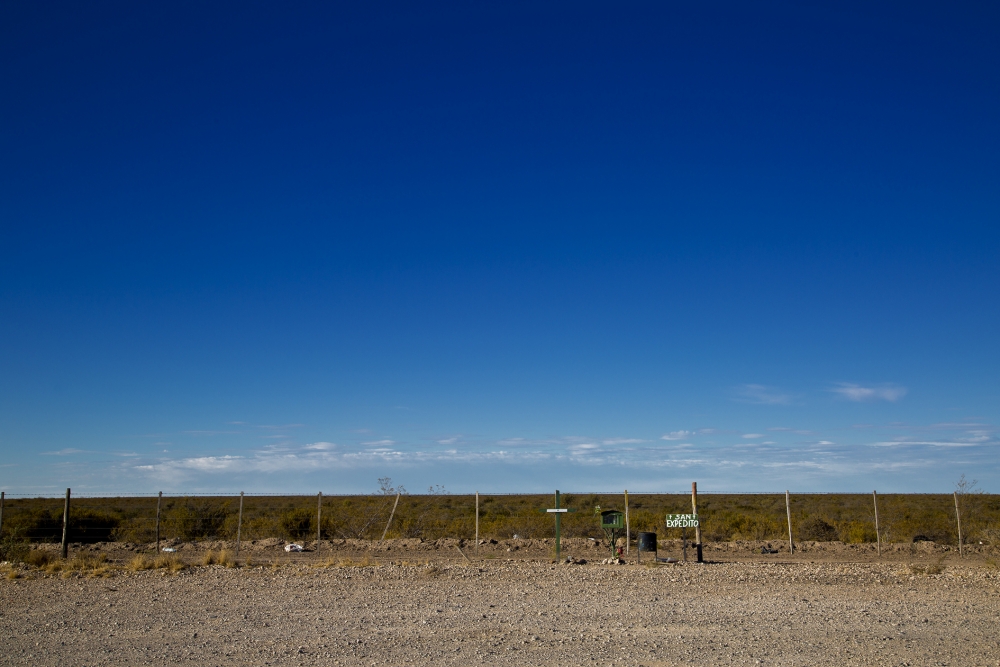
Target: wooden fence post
{"points": [[958, 518], [477, 523], [878, 538], [697, 528], [788, 511], [391, 514], [65, 535], [239, 526], [1, 511], [319, 518], [159, 499]]}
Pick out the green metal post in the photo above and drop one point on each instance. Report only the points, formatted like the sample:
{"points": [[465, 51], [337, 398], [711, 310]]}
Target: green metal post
{"points": [[558, 515]]}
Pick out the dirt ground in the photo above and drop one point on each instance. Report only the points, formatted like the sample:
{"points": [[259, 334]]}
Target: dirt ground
{"points": [[427, 603]]}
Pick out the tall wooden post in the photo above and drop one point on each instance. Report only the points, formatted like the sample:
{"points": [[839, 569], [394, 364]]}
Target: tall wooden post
{"points": [[319, 517], [65, 535], [628, 530], [239, 526], [391, 514], [697, 528], [558, 525], [958, 518], [878, 538], [1, 512], [788, 511], [159, 499], [477, 523]]}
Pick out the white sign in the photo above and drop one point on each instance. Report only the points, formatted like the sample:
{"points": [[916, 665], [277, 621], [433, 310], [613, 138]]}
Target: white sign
{"points": [[682, 521], [559, 510]]}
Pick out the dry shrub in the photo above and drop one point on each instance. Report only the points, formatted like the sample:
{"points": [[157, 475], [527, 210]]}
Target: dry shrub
{"points": [[937, 567], [432, 572], [818, 530], [857, 532], [222, 557], [139, 563], [169, 562], [38, 558]]}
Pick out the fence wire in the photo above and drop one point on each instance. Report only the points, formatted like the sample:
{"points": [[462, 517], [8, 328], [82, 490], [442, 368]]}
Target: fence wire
{"points": [[846, 517]]}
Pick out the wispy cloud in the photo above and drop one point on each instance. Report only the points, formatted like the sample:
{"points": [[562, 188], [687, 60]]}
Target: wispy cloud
{"points": [[321, 446], [69, 451], [758, 394], [622, 441], [860, 393], [448, 441], [379, 443], [751, 436], [676, 435]]}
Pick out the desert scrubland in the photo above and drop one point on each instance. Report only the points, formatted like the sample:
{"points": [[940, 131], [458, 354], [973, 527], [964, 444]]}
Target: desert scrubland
{"points": [[412, 601]]}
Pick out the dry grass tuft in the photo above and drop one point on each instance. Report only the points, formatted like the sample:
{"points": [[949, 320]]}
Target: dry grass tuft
{"points": [[170, 562], [431, 572], [936, 567], [38, 558], [139, 563]]}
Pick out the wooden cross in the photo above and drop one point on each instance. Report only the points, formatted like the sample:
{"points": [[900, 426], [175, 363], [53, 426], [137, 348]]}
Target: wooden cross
{"points": [[558, 511]]}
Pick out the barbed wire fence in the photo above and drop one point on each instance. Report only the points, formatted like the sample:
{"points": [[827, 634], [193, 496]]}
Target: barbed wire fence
{"points": [[960, 519]]}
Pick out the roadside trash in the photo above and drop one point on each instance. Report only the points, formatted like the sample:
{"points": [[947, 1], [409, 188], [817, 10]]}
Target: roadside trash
{"points": [[293, 547], [516, 536], [765, 550], [168, 550]]}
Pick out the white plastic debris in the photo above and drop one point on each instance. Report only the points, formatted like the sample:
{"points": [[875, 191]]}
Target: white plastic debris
{"points": [[293, 547], [168, 550]]}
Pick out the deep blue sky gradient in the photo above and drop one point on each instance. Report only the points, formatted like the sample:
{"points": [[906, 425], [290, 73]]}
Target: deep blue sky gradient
{"points": [[499, 246]]}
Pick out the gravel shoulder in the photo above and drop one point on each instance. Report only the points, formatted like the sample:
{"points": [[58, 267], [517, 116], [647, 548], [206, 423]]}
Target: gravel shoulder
{"points": [[509, 611]]}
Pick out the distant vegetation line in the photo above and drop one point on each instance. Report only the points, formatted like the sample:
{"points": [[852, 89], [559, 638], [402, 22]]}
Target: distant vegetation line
{"points": [[724, 517]]}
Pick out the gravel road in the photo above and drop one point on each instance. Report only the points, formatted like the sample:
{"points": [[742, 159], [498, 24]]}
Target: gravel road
{"points": [[508, 613]]}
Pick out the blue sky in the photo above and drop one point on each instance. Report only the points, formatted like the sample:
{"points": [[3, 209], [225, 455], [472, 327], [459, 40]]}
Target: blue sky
{"points": [[498, 246]]}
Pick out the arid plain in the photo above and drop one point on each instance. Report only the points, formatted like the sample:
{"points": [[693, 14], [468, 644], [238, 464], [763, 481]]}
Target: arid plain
{"points": [[407, 602]]}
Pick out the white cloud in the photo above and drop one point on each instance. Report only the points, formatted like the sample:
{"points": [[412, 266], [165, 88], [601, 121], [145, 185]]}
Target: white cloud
{"points": [[69, 451], [859, 393], [751, 436], [677, 435], [621, 441], [379, 443], [448, 441], [759, 394]]}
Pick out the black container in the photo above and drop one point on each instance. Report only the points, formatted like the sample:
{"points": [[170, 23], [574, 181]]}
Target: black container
{"points": [[647, 542]]}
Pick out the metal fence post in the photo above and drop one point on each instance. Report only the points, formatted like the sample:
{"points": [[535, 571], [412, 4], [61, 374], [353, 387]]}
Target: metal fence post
{"points": [[477, 523], [1, 511]]}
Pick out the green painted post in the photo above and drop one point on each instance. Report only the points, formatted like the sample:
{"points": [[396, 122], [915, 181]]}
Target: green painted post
{"points": [[558, 524]]}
